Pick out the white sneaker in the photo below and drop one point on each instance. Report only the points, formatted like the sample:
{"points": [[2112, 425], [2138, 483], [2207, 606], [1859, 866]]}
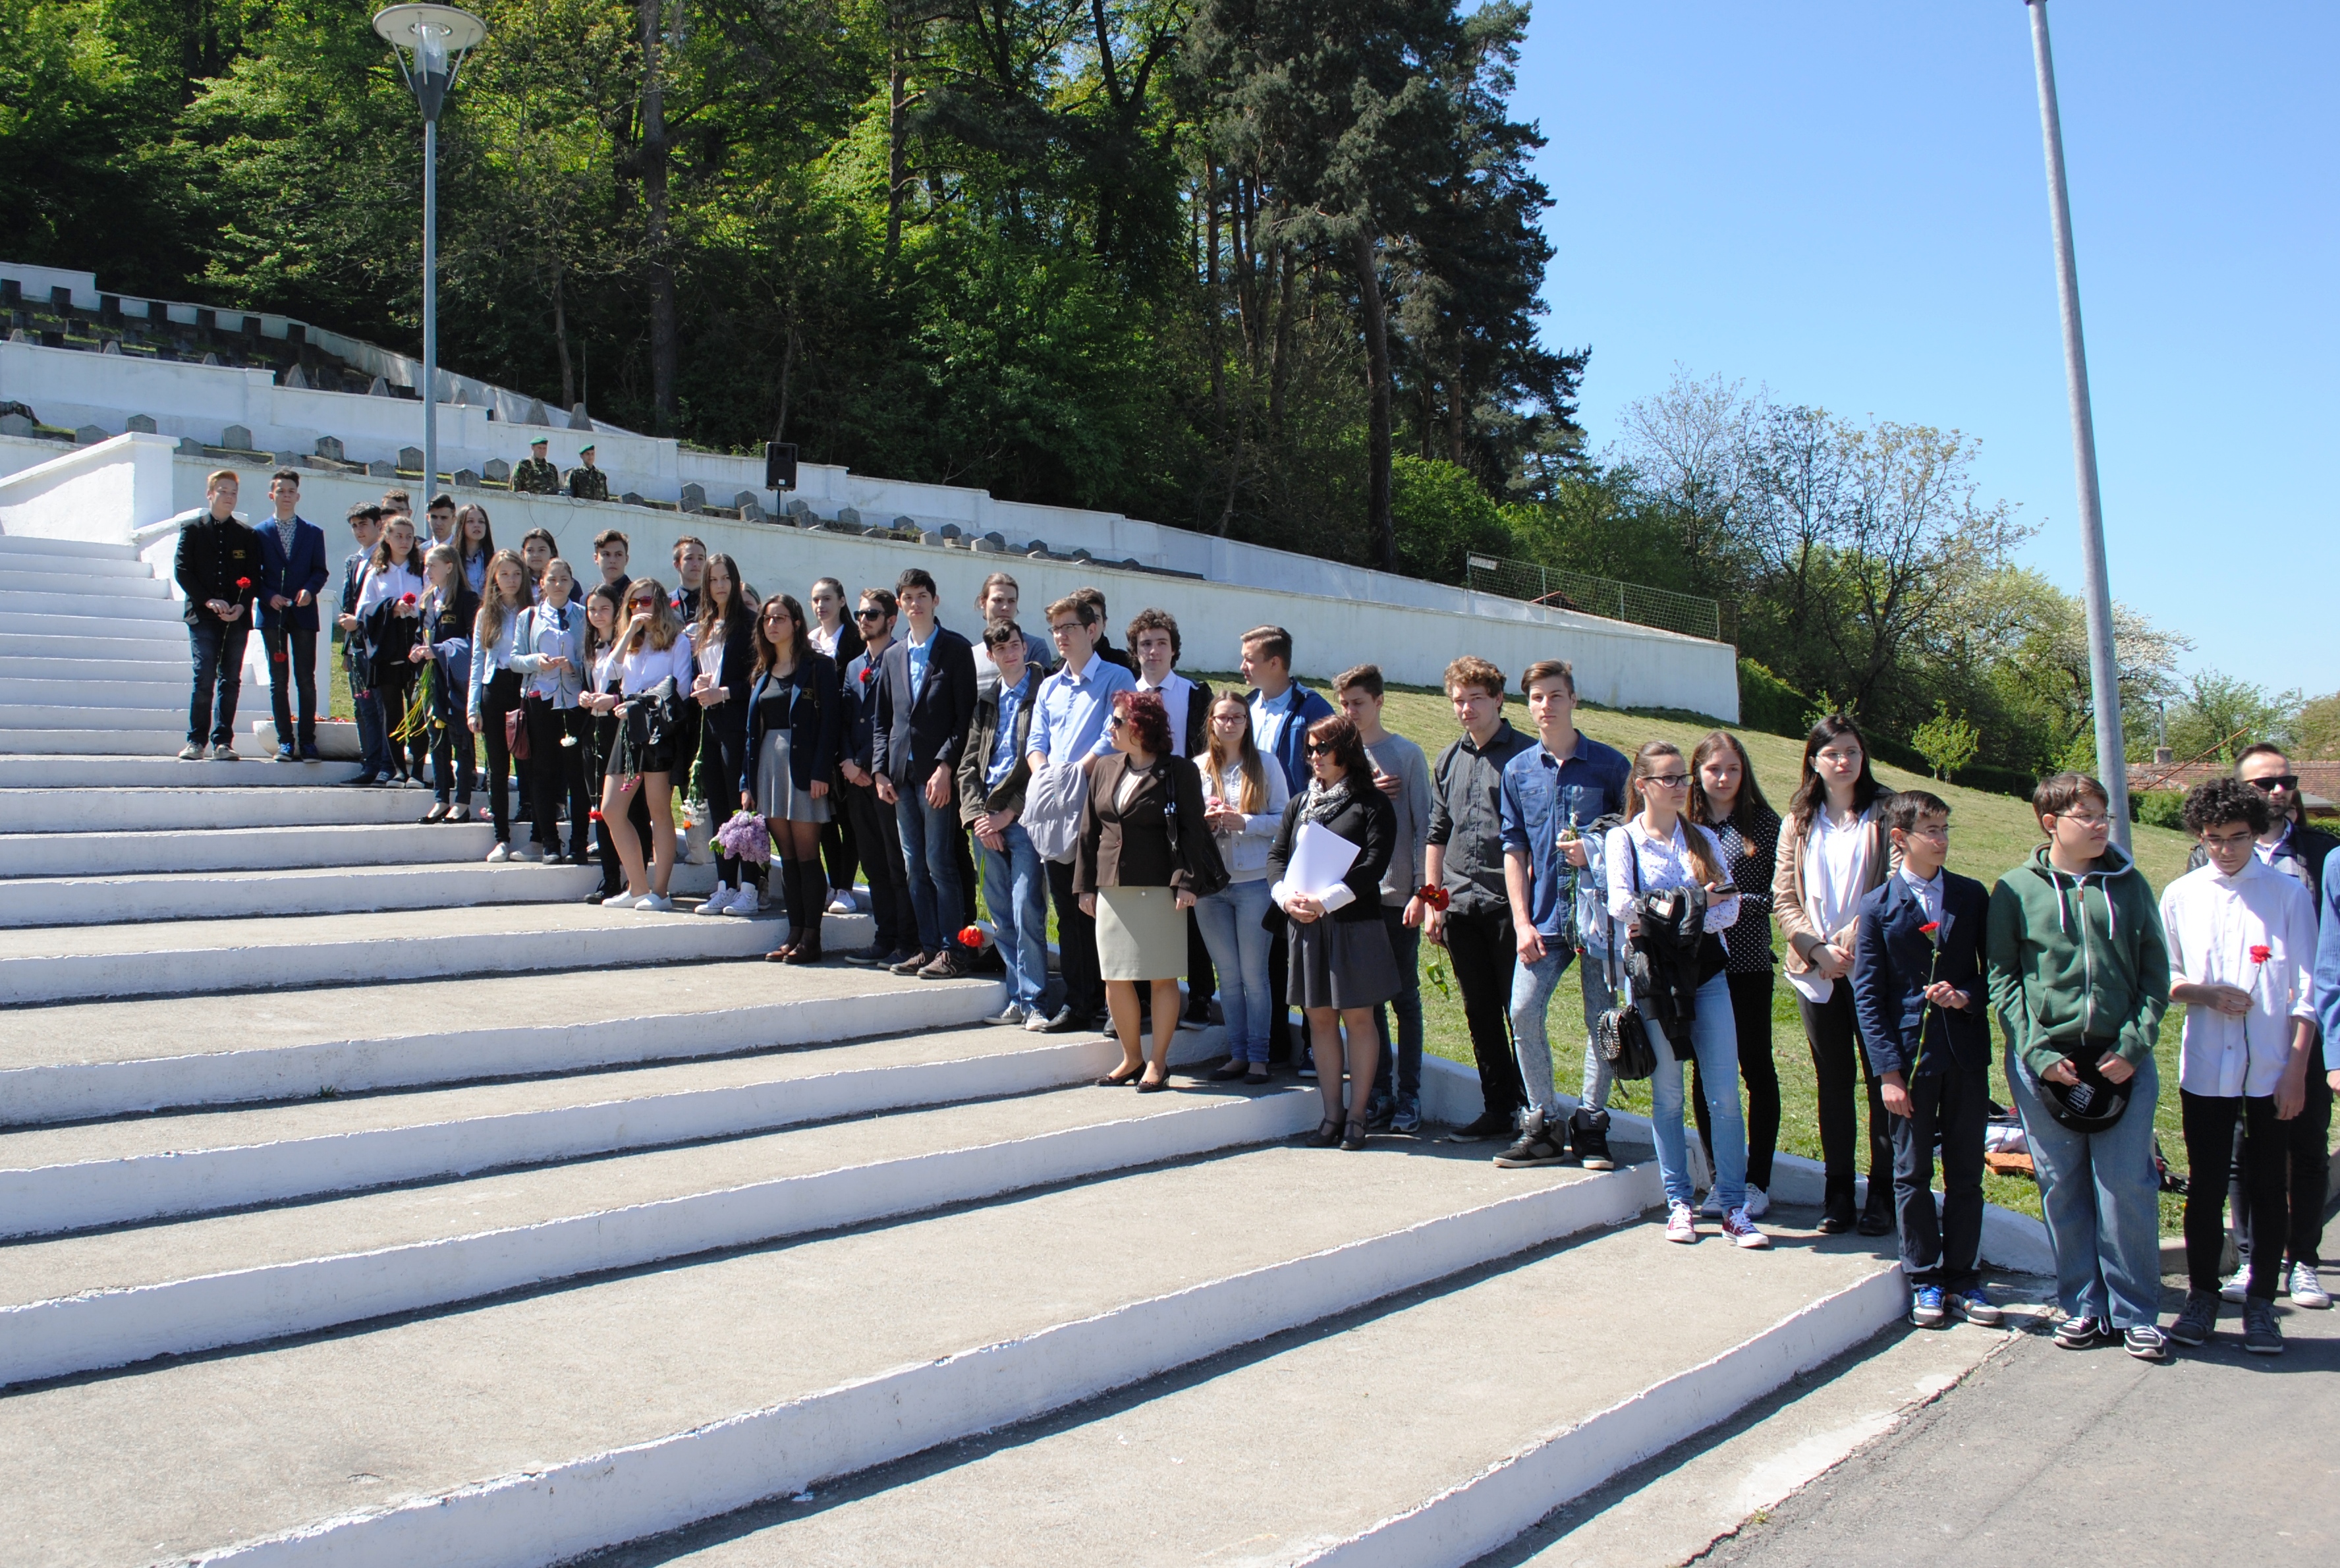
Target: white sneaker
{"points": [[746, 901], [715, 902], [1759, 1203], [1741, 1231], [532, 852], [1680, 1223], [499, 854], [1712, 1207], [618, 901], [843, 904], [2307, 1290], [2236, 1284], [655, 903]]}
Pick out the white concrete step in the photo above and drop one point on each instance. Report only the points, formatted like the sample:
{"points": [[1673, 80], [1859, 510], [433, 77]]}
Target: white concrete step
{"points": [[60, 632], [97, 588], [328, 890], [147, 762], [136, 1169], [143, 742], [18, 545], [83, 717], [207, 1282], [80, 963], [137, 810], [553, 1422], [82, 567], [93, 639], [153, 665], [120, 853], [90, 1060], [118, 602], [106, 690]]}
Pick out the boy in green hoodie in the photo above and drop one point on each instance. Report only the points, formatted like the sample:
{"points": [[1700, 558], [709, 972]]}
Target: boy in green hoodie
{"points": [[2079, 977]]}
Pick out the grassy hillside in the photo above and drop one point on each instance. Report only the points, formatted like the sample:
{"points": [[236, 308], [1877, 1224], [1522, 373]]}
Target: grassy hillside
{"points": [[1989, 835]]}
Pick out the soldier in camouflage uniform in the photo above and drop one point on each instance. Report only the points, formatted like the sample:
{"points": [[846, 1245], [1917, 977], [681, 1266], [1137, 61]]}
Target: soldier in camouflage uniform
{"points": [[536, 476], [587, 482]]}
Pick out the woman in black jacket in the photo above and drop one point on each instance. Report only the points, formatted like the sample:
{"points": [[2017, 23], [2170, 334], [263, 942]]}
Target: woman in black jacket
{"points": [[724, 644], [1342, 965], [794, 716], [448, 610]]}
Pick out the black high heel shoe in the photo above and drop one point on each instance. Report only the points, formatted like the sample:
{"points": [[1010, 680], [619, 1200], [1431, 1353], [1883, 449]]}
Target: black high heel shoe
{"points": [[1119, 1080], [1355, 1137], [1327, 1133]]}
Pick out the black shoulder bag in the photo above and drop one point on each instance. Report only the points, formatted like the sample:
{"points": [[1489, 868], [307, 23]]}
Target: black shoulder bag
{"points": [[1622, 1036]]}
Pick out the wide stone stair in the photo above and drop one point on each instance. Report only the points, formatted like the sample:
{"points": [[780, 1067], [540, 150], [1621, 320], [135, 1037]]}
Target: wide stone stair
{"points": [[362, 1202]]}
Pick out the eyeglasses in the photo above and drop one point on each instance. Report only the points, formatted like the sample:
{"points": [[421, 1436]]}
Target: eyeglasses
{"points": [[1065, 630], [1666, 780], [1940, 830], [869, 615], [2275, 782], [2087, 819]]}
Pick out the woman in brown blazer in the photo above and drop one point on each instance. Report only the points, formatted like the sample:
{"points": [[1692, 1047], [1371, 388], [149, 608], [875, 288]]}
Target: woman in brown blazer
{"points": [[1144, 848], [1833, 849]]}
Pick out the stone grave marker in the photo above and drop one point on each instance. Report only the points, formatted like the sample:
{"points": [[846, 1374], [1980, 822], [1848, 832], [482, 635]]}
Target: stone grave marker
{"points": [[536, 414], [694, 497], [380, 388], [465, 479], [236, 438], [144, 424], [378, 469], [850, 516], [15, 424], [498, 470], [578, 419], [410, 459], [330, 448]]}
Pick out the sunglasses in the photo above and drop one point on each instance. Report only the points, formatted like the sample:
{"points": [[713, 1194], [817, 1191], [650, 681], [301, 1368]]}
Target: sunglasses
{"points": [[1116, 721], [2275, 782], [1318, 749], [869, 615]]}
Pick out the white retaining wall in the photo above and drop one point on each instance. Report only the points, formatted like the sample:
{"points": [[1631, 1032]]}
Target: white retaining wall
{"points": [[106, 491]]}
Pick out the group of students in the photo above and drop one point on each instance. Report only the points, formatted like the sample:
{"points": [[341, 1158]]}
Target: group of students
{"points": [[980, 781]]}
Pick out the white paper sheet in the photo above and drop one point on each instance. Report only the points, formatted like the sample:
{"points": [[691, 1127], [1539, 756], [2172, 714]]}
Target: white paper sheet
{"points": [[1320, 858]]}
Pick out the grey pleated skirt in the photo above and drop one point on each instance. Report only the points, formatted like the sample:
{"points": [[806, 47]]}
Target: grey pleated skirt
{"points": [[1141, 934], [1341, 964], [777, 795]]}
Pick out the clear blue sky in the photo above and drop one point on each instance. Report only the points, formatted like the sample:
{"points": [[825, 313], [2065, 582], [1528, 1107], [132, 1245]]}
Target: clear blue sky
{"points": [[1846, 203]]}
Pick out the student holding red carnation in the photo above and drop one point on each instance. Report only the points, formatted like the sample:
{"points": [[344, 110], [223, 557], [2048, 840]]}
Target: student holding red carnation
{"points": [[390, 606], [218, 563]]}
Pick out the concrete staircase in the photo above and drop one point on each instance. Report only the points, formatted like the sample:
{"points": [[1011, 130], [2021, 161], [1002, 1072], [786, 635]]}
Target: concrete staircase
{"points": [[362, 1202]]}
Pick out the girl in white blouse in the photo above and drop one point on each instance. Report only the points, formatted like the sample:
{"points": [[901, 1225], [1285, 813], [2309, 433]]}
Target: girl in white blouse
{"points": [[1658, 848], [651, 665], [1244, 797], [390, 604]]}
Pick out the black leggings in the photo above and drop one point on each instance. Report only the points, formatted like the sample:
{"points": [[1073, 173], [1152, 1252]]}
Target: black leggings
{"points": [[1834, 1035], [557, 775], [501, 697], [1751, 1009], [723, 748]]}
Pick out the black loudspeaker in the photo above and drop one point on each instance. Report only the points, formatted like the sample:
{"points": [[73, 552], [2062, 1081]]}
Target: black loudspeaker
{"points": [[779, 465]]}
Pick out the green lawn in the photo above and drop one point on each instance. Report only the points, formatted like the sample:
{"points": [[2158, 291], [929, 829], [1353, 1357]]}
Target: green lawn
{"points": [[1989, 834]]}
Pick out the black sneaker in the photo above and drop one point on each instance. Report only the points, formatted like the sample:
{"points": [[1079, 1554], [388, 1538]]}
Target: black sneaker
{"points": [[876, 953], [1588, 1137], [1067, 1022], [2262, 1336], [1489, 1125], [2147, 1343], [2198, 1321], [910, 965], [1534, 1147], [2082, 1332]]}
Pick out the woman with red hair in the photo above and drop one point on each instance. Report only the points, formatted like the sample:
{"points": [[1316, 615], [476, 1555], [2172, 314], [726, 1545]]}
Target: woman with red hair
{"points": [[1145, 852]]}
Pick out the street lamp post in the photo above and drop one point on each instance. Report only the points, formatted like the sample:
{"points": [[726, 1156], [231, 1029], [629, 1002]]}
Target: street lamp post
{"points": [[2104, 672], [430, 42]]}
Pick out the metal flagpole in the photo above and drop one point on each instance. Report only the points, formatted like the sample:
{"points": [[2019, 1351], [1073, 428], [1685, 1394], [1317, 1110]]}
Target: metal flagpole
{"points": [[2104, 672]]}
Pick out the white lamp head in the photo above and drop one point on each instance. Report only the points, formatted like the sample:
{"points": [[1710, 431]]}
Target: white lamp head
{"points": [[430, 42]]}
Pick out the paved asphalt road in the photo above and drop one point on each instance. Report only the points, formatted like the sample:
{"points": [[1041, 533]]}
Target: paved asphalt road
{"points": [[2066, 1458]]}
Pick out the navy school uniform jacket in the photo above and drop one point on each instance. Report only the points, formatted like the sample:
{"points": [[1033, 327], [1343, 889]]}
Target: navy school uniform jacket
{"points": [[289, 576], [916, 734], [816, 718], [1891, 958]]}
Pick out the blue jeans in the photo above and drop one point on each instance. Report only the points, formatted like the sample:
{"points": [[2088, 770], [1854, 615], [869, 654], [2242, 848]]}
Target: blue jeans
{"points": [[1015, 894], [1405, 946], [2098, 1192], [1230, 919], [1531, 988], [1714, 1039], [929, 860], [373, 740], [216, 649]]}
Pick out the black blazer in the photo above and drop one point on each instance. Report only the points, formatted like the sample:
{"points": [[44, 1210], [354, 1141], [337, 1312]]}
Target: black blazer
{"points": [[213, 556], [1891, 958], [735, 675], [1129, 847], [912, 737], [1368, 821], [816, 718], [305, 569]]}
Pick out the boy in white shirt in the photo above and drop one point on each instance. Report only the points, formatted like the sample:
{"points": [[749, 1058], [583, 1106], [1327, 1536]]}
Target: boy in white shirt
{"points": [[2242, 944]]}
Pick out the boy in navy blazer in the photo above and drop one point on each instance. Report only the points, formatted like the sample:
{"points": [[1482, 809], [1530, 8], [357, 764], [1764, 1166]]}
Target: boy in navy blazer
{"points": [[926, 701], [292, 573], [1917, 990]]}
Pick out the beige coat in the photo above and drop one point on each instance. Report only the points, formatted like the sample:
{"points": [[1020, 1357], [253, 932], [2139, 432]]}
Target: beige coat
{"points": [[1788, 887]]}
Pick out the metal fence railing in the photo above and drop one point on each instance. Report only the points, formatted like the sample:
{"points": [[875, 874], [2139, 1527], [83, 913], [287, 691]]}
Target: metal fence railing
{"points": [[1688, 613]]}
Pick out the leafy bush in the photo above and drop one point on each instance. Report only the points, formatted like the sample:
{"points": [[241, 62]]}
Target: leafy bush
{"points": [[1769, 704], [2158, 808]]}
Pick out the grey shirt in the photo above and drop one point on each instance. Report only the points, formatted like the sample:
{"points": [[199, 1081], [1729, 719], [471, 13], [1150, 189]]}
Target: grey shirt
{"points": [[1466, 817], [1401, 759]]}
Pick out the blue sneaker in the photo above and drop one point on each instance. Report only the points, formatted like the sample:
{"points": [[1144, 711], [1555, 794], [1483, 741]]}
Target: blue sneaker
{"points": [[1925, 1306], [1975, 1305]]}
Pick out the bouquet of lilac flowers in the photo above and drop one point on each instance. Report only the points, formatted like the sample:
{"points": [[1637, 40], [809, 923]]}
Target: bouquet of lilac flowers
{"points": [[744, 837]]}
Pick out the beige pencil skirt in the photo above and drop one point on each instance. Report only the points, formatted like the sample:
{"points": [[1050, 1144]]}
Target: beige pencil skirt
{"points": [[1141, 934]]}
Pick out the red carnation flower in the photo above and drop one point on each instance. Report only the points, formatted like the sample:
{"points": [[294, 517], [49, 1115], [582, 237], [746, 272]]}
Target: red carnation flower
{"points": [[243, 583], [2260, 954], [970, 936], [1435, 897], [407, 599], [1930, 927]]}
